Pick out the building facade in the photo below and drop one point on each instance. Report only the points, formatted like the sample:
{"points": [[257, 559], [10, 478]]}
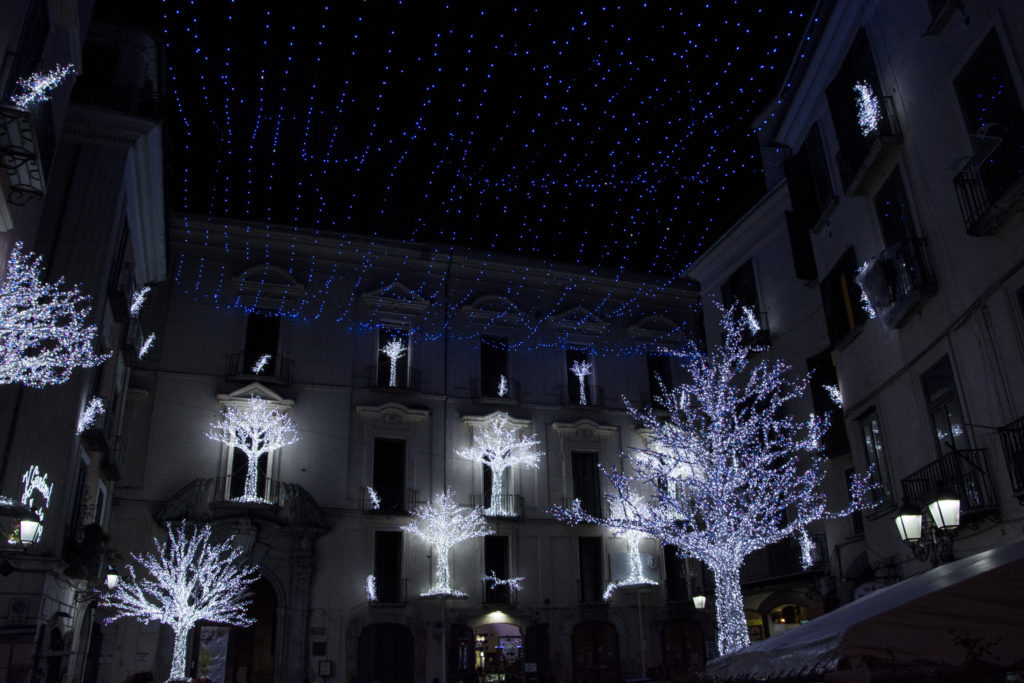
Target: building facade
{"points": [[886, 260]]}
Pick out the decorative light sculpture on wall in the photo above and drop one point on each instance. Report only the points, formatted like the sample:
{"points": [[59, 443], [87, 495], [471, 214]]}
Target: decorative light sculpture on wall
{"points": [[499, 445], [394, 350], [581, 370], [37, 87], [93, 409], [869, 113]]}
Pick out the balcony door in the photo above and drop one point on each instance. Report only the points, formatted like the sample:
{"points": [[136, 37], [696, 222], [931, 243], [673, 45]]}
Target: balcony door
{"points": [[389, 474]]}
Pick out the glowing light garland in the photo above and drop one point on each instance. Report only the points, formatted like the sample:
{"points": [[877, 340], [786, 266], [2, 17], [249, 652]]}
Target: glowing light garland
{"points": [[92, 410], [43, 330], [147, 344], [374, 498], [445, 524], [394, 350], [138, 300], [499, 445], [834, 394], [371, 588], [257, 428], [502, 387], [514, 583], [869, 113], [260, 364], [190, 579], [36, 88], [752, 474], [581, 370]]}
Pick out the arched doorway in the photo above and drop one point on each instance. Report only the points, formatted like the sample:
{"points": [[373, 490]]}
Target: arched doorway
{"points": [[499, 651], [240, 655], [595, 653], [385, 653], [682, 644]]}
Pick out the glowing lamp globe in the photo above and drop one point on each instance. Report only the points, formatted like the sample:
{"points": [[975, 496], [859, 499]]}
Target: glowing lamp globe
{"points": [[908, 523], [699, 601], [111, 578], [945, 510], [29, 530]]}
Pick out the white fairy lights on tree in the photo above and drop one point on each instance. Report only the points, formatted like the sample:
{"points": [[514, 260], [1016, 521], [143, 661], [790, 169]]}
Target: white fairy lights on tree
{"points": [[869, 113], [394, 350], [624, 509], [147, 345], [374, 498], [261, 364], [138, 300], [730, 474], [371, 588], [43, 330], [514, 583], [190, 580], [92, 410], [502, 387], [499, 445], [36, 88], [255, 428], [445, 524], [581, 370]]}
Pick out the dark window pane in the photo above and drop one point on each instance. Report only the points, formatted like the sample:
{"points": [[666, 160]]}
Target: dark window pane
{"points": [[493, 363], [801, 247], [591, 571], [261, 335], [586, 485], [659, 367], [389, 473], [823, 373], [893, 210], [944, 408], [840, 297]]}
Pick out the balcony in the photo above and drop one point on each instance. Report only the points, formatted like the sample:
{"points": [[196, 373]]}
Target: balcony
{"points": [[392, 591], [989, 193], [404, 382], [782, 560], [390, 501], [112, 465], [506, 506], [499, 596], [864, 158], [205, 500], [486, 390], [760, 337], [228, 490], [1012, 438], [99, 437], [594, 395], [897, 281], [963, 472], [27, 142], [241, 367]]}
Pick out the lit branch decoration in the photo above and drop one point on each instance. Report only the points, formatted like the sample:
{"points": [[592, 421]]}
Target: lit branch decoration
{"points": [[147, 344], [374, 498], [35, 89], [256, 428], [89, 414], [502, 387], [868, 111], [138, 299], [43, 335], [192, 580], [514, 583], [581, 370], [371, 588], [445, 524], [260, 364], [724, 468], [499, 445], [394, 350]]}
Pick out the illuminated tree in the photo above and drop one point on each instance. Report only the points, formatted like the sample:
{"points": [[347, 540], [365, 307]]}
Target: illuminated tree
{"points": [[256, 428], [35, 89], [499, 445], [190, 579], [445, 524], [581, 370], [43, 330], [394, 350], [728, 472]]}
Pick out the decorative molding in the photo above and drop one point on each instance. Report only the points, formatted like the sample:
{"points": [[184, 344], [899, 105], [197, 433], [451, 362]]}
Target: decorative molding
{"points": [[267, 287], [395, 298], [240, 397], [493, 310], [479, 421], [580, 320], [392, 414], [656, 328], [585, 430]]}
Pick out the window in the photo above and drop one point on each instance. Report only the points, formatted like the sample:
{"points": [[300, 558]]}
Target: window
{"points": [[493, 364], [400, 377], [944, 410], [993, 117], [576, 395], [262, 333], [741, 288], [856, 517], [823, 373], [387, 566], [389, 474], [659, 367], [586, 484], [858, 67], [893, 211], [238, 469], [496, 560], [801, 247], [874, 451], [807, 175], [591, 571], [675, 576], [841, 300]]}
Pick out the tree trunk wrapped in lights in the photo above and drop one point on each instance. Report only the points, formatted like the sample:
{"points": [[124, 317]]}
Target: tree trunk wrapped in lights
{"points": [[394, 350], [722, 469], [256, 428], [190, 580], [43, 330], [499, 445], [445, 524]]}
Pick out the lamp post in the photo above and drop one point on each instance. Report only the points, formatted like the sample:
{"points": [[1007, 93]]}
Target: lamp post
{"points": [[944, 510]]}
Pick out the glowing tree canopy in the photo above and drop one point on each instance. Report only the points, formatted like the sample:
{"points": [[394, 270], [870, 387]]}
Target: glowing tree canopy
{"points": [[445, 523], [190, 579], [868, 111], [394, 350], [256, 428], [36, 88], [499, 445], [623, 508], [728, 471], [43, 330], [581, 370]]}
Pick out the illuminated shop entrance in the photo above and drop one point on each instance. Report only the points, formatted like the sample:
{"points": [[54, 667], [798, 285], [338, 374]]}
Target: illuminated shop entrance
{"points": [[499, 652]]}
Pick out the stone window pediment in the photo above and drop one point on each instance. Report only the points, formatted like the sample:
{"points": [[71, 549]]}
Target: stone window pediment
{"points": [[580, 320], [395, 299], [268, 288]]}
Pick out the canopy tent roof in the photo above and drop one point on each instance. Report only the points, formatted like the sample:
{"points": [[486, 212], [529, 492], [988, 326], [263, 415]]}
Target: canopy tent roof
{"points": [[967, 614]]}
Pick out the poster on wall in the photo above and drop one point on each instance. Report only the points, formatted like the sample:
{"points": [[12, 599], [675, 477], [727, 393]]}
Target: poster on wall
{"points": [[213, 653]]}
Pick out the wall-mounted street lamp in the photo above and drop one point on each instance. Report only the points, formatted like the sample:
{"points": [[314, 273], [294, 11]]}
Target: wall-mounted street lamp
{"points": [[22, 527], [945, 516], [699, 601]]}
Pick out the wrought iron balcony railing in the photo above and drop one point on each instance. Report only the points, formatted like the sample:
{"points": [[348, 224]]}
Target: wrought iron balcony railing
{"points": [[782, 559], [381, 379], [594, 395], [964, 472], [990, 191], [897, 281], [389, 500], [391, 591], [120, 290], [27, 143], [862, 157], [1012, 438], [489, 388], [590, 592], [230, 489], [506, 506], [500, 595], [241, 366]]}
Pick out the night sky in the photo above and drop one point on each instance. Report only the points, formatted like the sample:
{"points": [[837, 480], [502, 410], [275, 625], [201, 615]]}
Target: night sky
{"points": [[614, 135]]}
